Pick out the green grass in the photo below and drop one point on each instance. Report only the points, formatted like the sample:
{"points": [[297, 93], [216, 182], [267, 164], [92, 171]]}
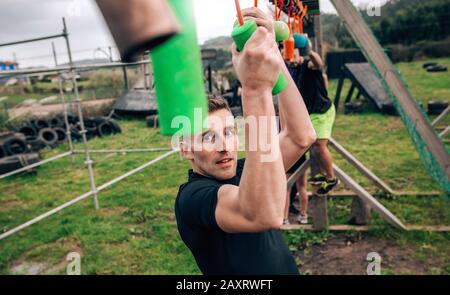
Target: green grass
{"points": [[134, 232]]}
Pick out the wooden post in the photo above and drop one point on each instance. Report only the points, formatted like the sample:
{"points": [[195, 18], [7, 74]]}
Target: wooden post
{"points": [[318, 204], [350, 93], [360, 213], [318, 36]]}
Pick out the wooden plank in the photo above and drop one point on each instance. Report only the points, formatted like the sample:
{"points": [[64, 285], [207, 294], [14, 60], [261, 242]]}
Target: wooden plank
{"points": [[397, 194], [346, 227], [432, 228], [338, 227], [365, 196], [444, 133], [302, 169], [373, 51], [360, 166]]}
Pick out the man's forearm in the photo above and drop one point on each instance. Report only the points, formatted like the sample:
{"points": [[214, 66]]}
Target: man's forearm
{"points": [[263, 184], [316, 60]]}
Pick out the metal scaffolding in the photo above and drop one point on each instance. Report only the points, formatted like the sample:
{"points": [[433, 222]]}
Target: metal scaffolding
{"points": [[72, 70]]}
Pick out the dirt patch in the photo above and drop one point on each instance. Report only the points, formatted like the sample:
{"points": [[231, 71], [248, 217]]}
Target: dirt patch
{"points": [[25, 265], [348, 256]]}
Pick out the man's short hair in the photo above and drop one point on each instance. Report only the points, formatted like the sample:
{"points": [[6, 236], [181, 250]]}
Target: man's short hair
{"points": [[217, 103]]}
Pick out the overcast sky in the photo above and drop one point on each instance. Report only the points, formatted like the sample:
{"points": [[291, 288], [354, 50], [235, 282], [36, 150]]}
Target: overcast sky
{"points": [[24, 19]]}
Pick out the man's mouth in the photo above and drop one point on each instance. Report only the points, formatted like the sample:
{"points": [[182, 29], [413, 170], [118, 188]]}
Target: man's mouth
{"points": [[224, 161]]}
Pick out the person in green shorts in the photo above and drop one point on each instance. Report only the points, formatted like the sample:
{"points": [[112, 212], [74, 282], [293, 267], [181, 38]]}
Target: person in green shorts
{"points": [[307, 71]]}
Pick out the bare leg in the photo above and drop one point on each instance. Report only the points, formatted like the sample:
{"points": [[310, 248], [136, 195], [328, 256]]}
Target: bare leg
{"points": [[288, 199], [325, 158], [303, 193]]}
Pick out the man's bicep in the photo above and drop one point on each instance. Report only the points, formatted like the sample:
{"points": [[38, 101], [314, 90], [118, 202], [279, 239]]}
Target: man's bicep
{"points": [[229, 215]]}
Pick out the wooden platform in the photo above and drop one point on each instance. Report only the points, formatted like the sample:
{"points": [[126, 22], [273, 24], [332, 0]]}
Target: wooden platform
{"points": [[369, 85], [361, 228]]}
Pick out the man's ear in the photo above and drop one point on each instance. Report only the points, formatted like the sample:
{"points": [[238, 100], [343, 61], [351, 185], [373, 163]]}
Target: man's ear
{"points": [[186, 151]]}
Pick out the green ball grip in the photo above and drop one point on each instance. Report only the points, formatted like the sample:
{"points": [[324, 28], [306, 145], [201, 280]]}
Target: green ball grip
{"points": [[241, 35], [281, 29], [178, 73]]}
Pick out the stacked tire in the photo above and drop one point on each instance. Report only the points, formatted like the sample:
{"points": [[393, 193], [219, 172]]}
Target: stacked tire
{"points": [[50, 133], [15, 153]]}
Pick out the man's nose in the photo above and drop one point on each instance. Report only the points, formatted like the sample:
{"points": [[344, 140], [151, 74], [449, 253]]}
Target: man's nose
{"points": [[224, 144]]}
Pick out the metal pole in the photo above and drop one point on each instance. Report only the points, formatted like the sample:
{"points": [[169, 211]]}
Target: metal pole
{"points": [[209, 78], [54, 54], [125, 150], [35, 165], [82, 197], [125, 79], [83, 131], [68, 68], [110, 54], [31, 40], [66, 119]]}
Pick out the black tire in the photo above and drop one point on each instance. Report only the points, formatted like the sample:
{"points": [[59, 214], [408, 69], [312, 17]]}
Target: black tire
{"points": [[437, 68], [61, 133], [429, 64], [105, 129], [91, 128], [2, 152], [115, 125], [75, 133], [14, 146], [436, 107], [354, 107], [72, 119], [152, 121], [41, 124], [34, 144], [49, 137], [11, 163], [28, 130], [57, 122]]}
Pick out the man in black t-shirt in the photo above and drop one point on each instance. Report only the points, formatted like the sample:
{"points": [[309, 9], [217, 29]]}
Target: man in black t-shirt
{"points": [[229, 211], [307, 72]]}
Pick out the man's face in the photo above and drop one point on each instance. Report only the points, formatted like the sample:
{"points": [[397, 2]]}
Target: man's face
{"points": [[213, 153]]}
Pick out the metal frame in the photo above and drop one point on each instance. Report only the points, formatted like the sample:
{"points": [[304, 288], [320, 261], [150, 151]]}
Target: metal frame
{"points": [[84, 196], [94, 189]]}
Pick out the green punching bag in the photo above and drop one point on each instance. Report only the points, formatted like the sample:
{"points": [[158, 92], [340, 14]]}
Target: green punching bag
{"points": [[178, 72]]}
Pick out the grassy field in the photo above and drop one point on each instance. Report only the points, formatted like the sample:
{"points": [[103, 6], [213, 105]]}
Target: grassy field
{"points": [[134, 232]]}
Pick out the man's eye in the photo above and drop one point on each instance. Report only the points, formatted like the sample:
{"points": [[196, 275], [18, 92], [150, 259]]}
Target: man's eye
{"points": [[229, 132], [208, 137]]}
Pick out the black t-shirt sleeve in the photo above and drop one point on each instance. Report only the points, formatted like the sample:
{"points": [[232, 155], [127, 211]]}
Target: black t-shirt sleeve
{"points": [[197, 204]]}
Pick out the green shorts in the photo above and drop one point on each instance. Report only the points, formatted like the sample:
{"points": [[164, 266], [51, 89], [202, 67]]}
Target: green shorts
{"points": [[323, 123]]}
